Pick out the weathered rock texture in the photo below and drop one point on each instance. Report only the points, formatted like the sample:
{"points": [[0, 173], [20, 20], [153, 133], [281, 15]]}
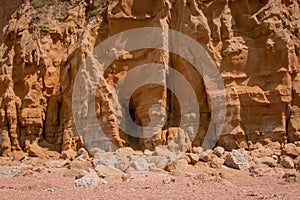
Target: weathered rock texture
{"points": [[255, 44]]}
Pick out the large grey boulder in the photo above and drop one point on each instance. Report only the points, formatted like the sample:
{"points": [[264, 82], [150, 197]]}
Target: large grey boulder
{"points": [[238, 159]]}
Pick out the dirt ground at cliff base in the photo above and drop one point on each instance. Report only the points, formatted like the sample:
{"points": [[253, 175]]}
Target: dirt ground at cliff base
{"points": [[192, 184]]}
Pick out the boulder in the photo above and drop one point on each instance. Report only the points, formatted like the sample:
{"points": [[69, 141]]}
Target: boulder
{"points": [[140, 164], [105, 171], [219, 151], [238, 159], [90, 179], [291, 150], [266, 160], [287, 162], [107, 159], [205, 156]]}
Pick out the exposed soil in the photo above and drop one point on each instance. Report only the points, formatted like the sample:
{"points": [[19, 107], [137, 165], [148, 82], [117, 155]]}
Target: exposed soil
{"points": [[203, 184]]}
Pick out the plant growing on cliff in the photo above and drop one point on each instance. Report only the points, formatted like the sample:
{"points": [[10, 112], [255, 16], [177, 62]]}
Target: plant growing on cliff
{"points": [[95, 12], [38, 3], [44, 28], [42, 3]]}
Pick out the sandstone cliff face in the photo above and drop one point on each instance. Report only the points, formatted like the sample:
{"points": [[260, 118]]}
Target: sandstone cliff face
{"points": [[255, 44]]}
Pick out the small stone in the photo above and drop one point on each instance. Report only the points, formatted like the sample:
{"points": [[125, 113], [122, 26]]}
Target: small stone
{"points": [[197, 150], [170, 166], [104, 182], [193, 157], [216, 162], [275, 157], [219, 151], [287, 162], [205, 156], [50, 189], [126, 177], [82, 154], [169, 179]]}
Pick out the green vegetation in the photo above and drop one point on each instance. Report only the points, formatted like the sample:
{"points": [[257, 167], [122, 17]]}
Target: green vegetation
{"points": [[38, 3], [44, 28], [95, 12]]}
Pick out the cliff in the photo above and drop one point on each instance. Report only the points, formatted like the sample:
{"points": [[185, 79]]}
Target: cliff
{"points": [[254, 44]]}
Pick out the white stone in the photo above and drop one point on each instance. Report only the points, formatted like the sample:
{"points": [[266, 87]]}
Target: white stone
{"points": [[238, 159]]}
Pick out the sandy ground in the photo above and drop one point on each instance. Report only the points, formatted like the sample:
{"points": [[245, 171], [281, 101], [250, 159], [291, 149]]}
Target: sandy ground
{"points": [[192, 184]]}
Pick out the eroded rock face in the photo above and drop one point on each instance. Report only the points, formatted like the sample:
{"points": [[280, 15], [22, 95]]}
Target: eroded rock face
{"points": [[255, 44]]}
